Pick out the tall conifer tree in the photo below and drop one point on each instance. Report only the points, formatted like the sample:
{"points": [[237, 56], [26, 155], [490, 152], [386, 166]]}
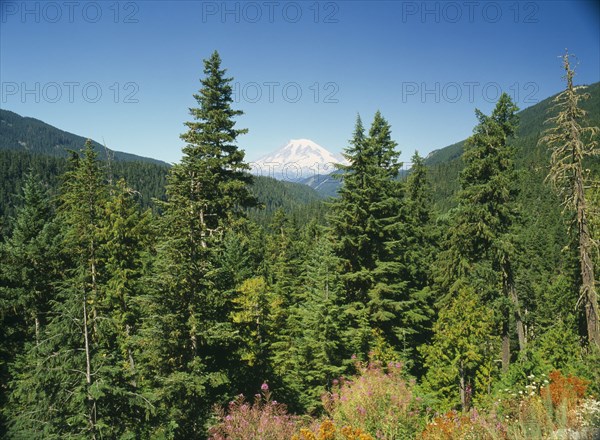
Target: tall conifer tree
{"points": [[206, 193], [31, 267], [571, 142], [481, 242], [60, 380], [364, 221]]}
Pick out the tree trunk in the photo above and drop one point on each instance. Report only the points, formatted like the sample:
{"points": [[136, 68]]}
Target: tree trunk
{"points": [[518, 318], [127, 340], [94, 287], [37, 329], [130, 355], [510, 292], [505, 333], [505, 339], [88, 371], [193, 331], [463, 394], [193, 340], [202, 230], [588, 288]]}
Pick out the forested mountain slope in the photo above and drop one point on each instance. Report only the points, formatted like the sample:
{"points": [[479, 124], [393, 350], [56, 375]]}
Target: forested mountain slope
{"points": [[445, 164], [149, 179], [32, 135]]}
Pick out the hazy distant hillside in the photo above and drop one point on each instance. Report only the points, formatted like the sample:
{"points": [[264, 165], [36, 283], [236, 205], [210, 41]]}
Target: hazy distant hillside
{"points": [[325, 184], [34, 136]]}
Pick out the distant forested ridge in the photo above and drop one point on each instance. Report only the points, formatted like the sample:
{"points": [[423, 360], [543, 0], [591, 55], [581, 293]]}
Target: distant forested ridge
{"points": [[32, 135], [149, 179]]}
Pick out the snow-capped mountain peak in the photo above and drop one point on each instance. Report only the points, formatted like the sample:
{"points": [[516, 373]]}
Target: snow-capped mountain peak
{"points": [[298, 159]]}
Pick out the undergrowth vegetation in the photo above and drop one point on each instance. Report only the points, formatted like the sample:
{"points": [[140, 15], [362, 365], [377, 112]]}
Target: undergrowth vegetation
{"points": [[384, 403]]}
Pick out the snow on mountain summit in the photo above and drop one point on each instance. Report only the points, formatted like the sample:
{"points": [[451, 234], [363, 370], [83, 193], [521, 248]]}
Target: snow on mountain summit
{"points": [[298, 159]]}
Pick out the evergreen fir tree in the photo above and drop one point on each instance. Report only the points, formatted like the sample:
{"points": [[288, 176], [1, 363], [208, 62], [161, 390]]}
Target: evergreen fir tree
{"points": [[30, 257], [316, 355], [206, 194], [369, 204], [350, 215], [462, 344], [60, 380], [412, 249], [284, 267], [251, 315], [79, 380], [125, 234], [389, 299], [481, 242], [31, 267]]}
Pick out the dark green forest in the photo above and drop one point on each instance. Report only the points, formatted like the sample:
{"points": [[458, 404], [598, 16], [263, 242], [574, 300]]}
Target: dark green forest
{"points": [[141, 300], [148, 179]]}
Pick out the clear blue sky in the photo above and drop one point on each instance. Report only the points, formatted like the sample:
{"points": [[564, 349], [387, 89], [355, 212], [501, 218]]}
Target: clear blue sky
{"points": [[425, 65]]}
